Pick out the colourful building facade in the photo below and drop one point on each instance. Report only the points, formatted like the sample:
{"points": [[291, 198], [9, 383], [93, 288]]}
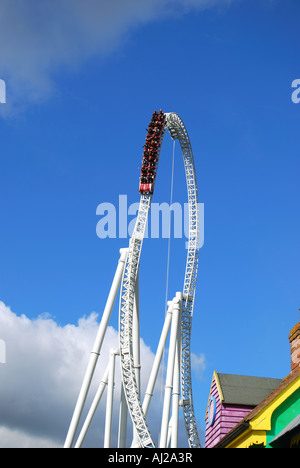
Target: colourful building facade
{"points": [[254, 412]]}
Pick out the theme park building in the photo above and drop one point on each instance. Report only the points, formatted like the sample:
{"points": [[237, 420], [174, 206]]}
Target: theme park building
{"points": [[256, 412]]}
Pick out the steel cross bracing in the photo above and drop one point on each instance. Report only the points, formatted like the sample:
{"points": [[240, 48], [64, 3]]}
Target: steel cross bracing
{"points": [[177, 131]]}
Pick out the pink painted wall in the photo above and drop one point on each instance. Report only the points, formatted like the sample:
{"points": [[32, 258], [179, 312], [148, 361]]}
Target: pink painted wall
{"points": [[227, 416]]}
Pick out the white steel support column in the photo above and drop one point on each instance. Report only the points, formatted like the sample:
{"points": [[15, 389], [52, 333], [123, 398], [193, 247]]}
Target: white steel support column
{"points": [[177, 305], [92, 410], [122, 420], [157, 359], [110, 398], [96, 349], [176, 394], [169, 432]]}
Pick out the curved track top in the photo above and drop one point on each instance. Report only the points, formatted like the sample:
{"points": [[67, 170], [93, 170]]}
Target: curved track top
{"points": [[173, 123]]}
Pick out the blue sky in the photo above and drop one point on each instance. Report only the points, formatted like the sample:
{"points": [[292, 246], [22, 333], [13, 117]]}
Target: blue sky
{"points": [[80, 91]]}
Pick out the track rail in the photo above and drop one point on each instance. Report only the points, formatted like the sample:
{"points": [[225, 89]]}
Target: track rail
{"points": [[173, 123]]}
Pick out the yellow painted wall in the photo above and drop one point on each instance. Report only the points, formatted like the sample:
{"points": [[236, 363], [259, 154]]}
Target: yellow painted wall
{"points": [[248, 438]]}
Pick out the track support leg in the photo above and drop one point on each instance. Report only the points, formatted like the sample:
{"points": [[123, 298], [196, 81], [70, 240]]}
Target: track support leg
{"points": [[96, 350]]}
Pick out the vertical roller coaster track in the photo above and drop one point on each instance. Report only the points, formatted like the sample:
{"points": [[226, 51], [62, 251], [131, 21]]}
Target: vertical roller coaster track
{"points": [[128, 278], [175, 126]]}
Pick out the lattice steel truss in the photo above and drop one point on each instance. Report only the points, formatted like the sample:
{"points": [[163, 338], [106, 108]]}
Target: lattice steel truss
{"points": [[177, 131]]}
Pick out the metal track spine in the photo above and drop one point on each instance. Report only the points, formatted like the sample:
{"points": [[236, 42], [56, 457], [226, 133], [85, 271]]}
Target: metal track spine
{"points": [[178, 131], [126, 316]]}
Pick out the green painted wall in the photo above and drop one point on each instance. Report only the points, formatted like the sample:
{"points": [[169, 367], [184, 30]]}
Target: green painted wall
{"points": [[283, 415]]}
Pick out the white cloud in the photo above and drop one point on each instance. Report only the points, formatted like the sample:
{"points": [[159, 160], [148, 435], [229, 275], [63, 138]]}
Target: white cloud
{"points": [[44, 368], [12, 438], [37, 38], [198, 363], [40, 382]]}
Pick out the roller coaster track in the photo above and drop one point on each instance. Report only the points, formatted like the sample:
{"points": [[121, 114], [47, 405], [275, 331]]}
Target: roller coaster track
{"points": [[173, 123]]}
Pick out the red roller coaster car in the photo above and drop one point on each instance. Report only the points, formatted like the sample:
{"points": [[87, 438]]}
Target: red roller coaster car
{"points": [[151, 151]]}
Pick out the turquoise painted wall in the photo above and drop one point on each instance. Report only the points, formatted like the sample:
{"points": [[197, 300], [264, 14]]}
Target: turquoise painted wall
{"points": [[283, 415]]}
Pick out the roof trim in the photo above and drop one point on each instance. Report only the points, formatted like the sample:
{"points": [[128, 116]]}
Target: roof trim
{"points": [[219, 388], [215, 378]]}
